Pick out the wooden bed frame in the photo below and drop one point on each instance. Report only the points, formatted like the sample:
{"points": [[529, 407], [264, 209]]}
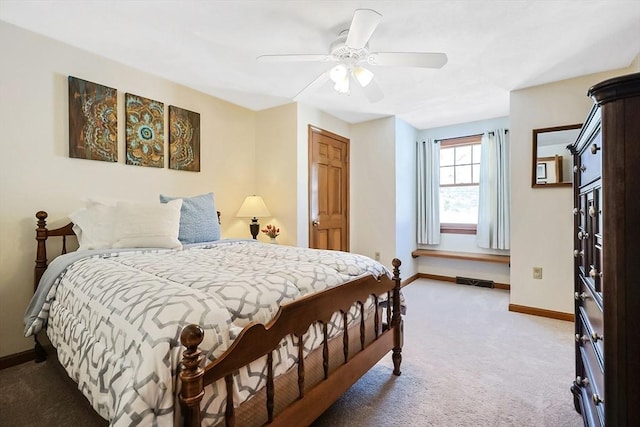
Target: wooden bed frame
{"points": [[257, 340]]}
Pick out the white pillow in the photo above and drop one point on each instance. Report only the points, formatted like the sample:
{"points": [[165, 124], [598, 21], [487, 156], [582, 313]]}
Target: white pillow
{"points": [[148, 225], [94, 226]]}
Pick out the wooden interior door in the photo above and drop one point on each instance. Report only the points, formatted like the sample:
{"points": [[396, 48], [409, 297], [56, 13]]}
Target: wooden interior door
{"points": [[328, 190]]}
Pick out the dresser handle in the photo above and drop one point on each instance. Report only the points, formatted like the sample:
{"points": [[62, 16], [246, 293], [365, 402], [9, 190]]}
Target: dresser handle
{"points": [[596, 399], [583, 338], [583, 235], [577, 253], [575, 211], [582, 381], [595, 337], [581, 168], [583, 296], [594, 149], [592, 211], [594, 273]]}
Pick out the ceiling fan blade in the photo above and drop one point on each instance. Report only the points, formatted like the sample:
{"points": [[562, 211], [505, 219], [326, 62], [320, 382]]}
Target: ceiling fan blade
{"points": [[408, 59], [314, 85], [373, 92], [364, 23], [293, 58]]}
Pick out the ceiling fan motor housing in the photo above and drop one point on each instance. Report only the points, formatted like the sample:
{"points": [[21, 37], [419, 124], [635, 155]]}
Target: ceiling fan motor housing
{"points": [[345, 54]]}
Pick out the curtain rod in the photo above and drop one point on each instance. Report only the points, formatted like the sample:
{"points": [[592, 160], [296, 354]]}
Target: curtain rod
{"points": [[466, 136]]}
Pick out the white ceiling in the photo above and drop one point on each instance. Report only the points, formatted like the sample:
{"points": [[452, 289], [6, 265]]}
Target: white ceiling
{"points": [[493, 47]]}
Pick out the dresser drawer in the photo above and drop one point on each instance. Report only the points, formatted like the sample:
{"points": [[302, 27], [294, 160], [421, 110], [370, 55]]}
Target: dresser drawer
{"points": [[590, 161], [588, 238], [592, 381], [591, 313], [588, 409]]}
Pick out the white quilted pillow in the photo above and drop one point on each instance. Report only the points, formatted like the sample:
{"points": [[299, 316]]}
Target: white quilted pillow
{"points": [[95, 226], [148, 225]]}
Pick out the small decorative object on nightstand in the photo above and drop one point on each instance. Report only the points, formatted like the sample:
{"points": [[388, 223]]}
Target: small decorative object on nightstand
{"points": [[253, 207], [272, 232]]}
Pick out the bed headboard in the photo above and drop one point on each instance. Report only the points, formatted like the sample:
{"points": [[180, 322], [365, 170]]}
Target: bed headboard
{"points": [[42, 234]]}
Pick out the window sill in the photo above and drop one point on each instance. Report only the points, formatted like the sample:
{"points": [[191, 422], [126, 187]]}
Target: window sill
{"points": [[468, 256], [447, 228]]}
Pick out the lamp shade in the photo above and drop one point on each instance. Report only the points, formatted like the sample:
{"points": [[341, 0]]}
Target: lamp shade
{"points": [[253, 207], [363, 76]]}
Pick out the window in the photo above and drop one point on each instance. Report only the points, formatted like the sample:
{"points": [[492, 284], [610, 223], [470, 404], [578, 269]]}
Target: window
{"points": [[459, 184]]}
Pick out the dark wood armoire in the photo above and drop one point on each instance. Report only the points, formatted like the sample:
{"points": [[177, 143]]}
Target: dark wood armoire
{"points": [[607, 256]]}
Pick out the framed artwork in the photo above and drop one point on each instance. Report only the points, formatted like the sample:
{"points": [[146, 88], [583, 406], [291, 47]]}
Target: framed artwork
{"points": [[145, 131], [93, 121], [184, 139], [541, 172]]}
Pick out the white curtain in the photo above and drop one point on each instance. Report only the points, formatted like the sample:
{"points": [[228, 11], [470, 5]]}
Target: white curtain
{"points": [[495, 198], [428, 171]]}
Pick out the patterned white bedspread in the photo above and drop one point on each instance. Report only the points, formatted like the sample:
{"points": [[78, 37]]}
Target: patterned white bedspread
{"points": [[115, 318]]}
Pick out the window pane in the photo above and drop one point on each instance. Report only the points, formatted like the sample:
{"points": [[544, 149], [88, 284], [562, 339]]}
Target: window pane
{"points": [[459, 204], [463, 155], [463, 174], [476, 153], [446, 156], [476, 174], [446, 175]]}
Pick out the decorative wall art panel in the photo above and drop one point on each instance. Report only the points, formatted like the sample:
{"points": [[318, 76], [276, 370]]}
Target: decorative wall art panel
{"points": [[145, 131], [184, 139], [93, 121]]}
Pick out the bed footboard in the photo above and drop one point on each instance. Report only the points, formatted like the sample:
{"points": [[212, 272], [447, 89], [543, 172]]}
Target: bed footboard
{"points": [[257, 340]]}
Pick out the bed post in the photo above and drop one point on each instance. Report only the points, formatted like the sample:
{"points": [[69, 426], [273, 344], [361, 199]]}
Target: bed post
{"points": [[41, 254], [192, 389], [396, 320], [41, 266]]}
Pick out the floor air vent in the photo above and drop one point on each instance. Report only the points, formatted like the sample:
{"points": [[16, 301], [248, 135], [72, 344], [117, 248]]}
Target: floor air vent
{"points": [[474, 282]]}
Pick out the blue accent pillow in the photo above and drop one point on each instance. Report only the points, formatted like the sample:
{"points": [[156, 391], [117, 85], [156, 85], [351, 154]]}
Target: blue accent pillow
{"points": [[198, 218]]}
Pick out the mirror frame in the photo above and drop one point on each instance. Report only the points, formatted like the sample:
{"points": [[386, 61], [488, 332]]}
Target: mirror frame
{"points": [[534, 155]]}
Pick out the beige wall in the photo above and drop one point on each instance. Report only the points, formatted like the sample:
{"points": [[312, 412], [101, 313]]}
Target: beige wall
{"points": [[406, 197], [275, 167], [37, 174], [541, 219], [373, 189]]}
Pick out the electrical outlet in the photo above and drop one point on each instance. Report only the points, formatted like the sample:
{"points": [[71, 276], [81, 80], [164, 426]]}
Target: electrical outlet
{"points": [[537, 272], [377, 256]]}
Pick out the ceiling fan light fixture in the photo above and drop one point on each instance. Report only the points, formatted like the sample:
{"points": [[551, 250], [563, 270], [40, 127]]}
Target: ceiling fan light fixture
{"points": [[350, 50], [342, 86], [363, 76], [339, 74]]}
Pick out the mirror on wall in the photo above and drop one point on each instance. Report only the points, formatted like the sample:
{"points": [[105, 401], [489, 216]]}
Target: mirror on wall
{"points": [[551, 166]]}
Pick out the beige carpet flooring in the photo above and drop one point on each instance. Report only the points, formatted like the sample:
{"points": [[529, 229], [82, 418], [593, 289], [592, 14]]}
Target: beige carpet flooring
{"points": [[467, 361]]}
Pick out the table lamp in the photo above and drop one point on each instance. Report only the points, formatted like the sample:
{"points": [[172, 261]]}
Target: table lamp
{"points": [[253, 207]]}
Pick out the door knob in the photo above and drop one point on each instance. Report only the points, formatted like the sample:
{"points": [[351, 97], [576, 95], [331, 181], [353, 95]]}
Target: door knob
{"points": [[315, 223]]}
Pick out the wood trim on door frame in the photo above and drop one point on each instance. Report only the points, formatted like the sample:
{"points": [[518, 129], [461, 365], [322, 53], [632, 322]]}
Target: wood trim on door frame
{"points": [[311, 130]]}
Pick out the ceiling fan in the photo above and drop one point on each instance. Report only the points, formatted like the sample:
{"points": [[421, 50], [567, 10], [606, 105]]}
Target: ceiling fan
{"points": [[351, 51]]}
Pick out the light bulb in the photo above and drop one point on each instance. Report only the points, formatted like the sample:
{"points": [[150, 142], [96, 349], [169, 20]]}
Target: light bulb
{"points": [[342, 86], [363, 76], [338, 73]]}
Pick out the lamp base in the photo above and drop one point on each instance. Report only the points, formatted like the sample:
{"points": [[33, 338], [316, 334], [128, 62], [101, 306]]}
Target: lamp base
{"points": [[254, 227]]}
